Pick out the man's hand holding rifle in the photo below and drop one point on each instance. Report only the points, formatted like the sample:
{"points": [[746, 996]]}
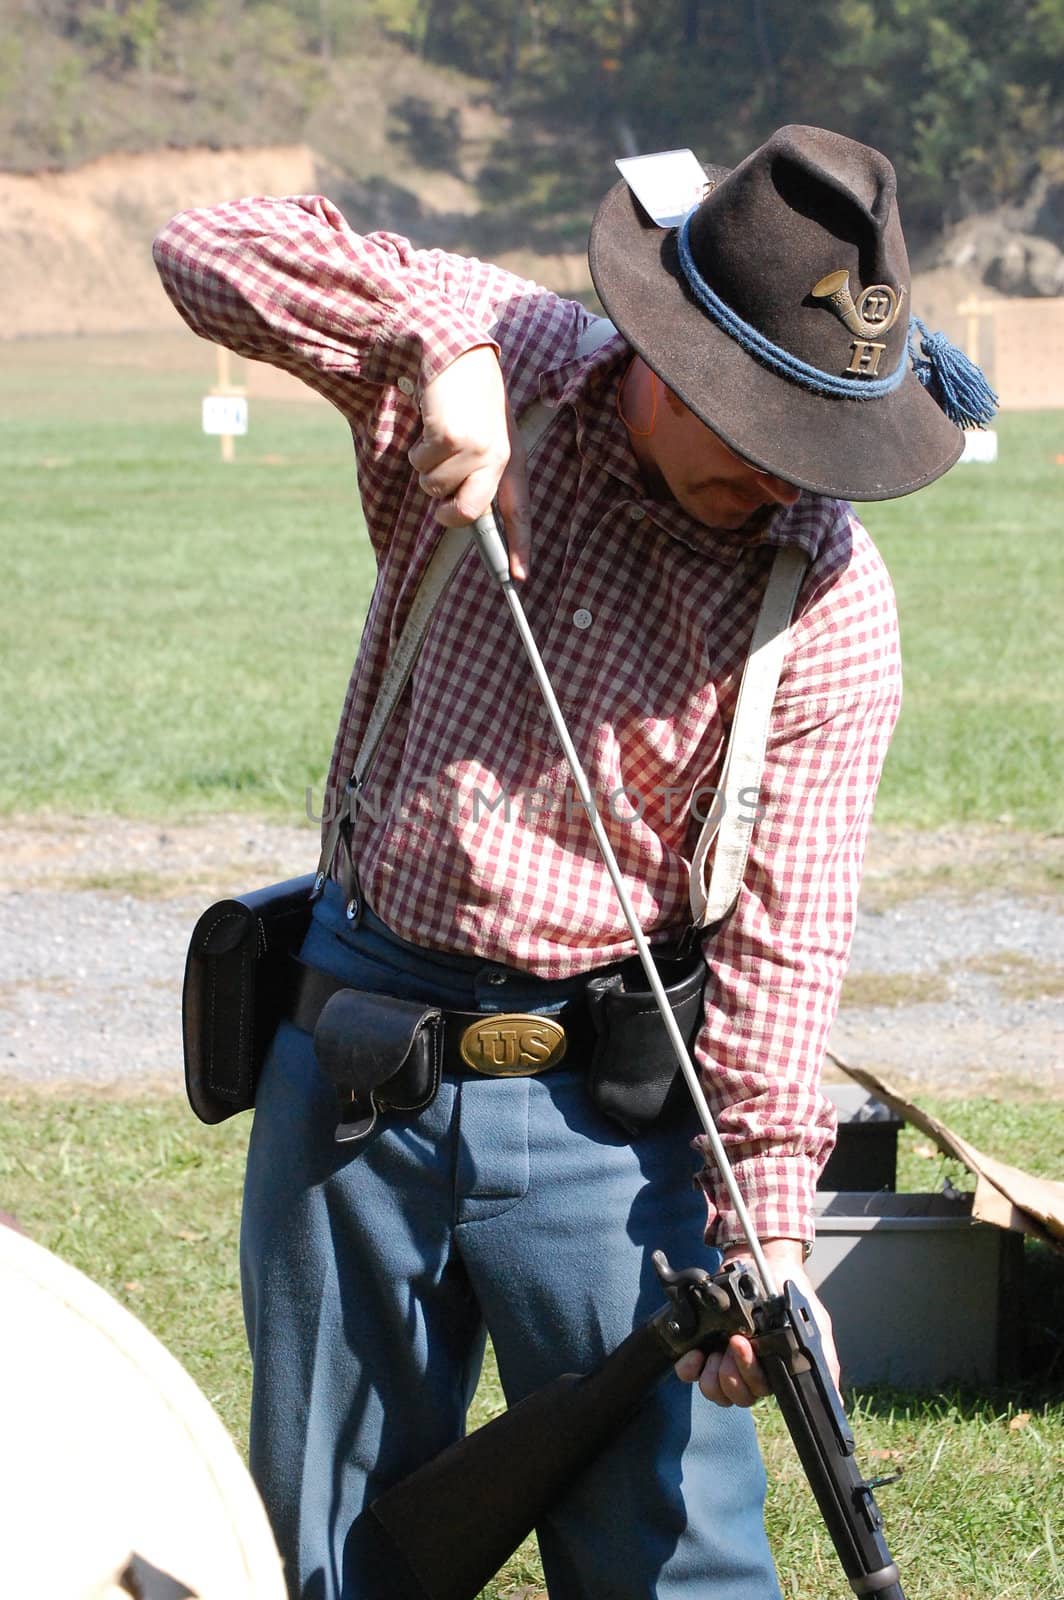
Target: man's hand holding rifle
{"points": [[734, 1376]]}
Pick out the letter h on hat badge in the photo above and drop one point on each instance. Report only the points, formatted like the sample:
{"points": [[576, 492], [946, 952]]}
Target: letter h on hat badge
{"points": [[874, 312]]}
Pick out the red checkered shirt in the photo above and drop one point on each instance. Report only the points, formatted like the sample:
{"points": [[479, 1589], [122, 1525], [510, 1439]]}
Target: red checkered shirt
{"points": [[472, 839]]}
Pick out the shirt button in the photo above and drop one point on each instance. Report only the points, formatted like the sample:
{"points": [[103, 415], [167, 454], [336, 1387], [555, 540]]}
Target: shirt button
{"points": [[497, 978], [407, 385], [636, 513], [582, 618]]}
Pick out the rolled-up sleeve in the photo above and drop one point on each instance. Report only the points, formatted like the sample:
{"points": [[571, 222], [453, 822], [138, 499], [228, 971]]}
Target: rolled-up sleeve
{"points": [[776, 968]]}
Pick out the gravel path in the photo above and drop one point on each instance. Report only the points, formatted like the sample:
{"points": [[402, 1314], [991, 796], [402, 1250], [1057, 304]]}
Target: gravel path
{"points": [[94, 924], [952, 985], [986, 976]]}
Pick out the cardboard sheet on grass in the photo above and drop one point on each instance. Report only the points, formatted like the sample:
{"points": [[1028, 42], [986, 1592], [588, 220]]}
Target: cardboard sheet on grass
{"points": [[1004, 1195]]}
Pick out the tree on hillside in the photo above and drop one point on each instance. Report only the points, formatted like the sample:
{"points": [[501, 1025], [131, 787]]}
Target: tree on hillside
{"points": [[965, 95]]}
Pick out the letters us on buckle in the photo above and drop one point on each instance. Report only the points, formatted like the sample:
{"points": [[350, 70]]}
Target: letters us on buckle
{"points": [[512, 1044]]}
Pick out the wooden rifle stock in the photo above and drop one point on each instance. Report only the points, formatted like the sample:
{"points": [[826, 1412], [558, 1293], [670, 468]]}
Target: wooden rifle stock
{"points": [[459, 1518], [455, 1521]]}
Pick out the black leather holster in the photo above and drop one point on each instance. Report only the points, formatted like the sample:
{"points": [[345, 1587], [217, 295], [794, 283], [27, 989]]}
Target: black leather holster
{"points": [[239, 981], [634, 1069]]}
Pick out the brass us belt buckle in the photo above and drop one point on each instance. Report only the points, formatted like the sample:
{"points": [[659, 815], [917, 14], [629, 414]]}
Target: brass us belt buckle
{"points": [[512, 1044]]}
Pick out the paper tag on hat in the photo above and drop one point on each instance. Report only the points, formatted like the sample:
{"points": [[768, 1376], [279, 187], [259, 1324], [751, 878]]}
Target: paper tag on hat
{"points": [[666, 184]]}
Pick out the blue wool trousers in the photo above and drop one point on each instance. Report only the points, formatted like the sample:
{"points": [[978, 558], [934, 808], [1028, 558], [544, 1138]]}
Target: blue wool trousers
{"points": [[508, 1207]]}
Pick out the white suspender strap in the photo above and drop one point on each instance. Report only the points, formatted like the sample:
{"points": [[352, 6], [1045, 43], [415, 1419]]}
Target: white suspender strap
{"points": [[448, 554], [446, 558], [731, 821]]}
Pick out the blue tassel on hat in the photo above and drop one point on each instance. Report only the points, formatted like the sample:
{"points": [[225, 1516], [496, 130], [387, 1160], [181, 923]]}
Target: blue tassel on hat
{"points": [[956, 383]]}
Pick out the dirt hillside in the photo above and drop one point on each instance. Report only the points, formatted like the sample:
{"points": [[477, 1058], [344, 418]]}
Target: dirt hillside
{"points": [[75, 254], [75, 247]]}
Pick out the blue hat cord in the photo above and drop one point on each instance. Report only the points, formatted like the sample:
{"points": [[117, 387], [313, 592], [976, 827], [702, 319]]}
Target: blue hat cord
{"points": [[954, 383]]}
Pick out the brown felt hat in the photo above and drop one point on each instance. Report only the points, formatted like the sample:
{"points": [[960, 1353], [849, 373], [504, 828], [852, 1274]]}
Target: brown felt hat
{"points": [[779, 314]]}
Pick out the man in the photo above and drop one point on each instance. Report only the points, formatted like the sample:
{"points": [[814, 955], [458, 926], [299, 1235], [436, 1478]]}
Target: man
{"points": [[759, 374]]}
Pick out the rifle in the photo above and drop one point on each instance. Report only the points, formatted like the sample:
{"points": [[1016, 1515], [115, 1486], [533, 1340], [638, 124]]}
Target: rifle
{"points": [[455, 1521]]}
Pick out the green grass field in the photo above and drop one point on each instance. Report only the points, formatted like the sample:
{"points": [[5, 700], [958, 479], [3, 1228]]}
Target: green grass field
{"points": [[146, 1201], [177, 632], [176, 639]]}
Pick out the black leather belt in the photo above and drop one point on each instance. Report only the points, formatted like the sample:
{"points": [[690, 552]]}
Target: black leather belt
{"points": [[498, 1044]]}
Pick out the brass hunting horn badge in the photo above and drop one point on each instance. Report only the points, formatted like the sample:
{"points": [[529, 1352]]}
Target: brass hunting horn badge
{"points": [[872, 314]]}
